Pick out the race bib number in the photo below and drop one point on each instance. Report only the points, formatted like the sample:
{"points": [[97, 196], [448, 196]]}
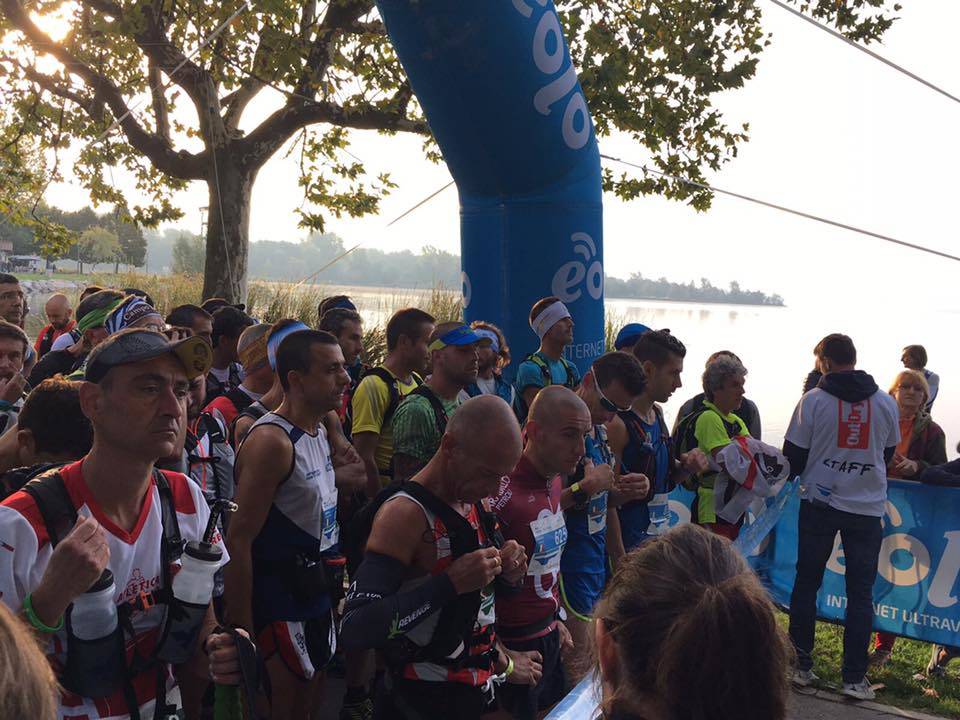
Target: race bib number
{"points": [[549, 536], [330, 530], [597, 513]]}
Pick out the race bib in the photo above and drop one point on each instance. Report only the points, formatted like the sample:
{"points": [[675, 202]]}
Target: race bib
{"points": [[549, 536], [597, 513], [330, 530]]}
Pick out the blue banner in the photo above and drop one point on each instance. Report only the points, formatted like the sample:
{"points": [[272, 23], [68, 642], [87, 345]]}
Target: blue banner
{"points": [[916, 594], [502, 96]]}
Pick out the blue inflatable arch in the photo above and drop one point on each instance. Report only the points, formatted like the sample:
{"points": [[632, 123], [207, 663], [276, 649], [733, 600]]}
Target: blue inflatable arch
{"points": [[502, 96]]}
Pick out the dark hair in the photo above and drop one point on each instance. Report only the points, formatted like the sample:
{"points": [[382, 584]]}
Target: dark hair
{"points": [[211, 305], [837, 348], [694, 629], [540, 305], [505, 355], [331, 303], [186, 315], [97, 301], [293, 355], [88, 291], [8, 279], [230, 322], [52, 413], [140, 294], [332, 321], [620, 366], [657, 346], [918, 353], [406, 322], [9, 330]]}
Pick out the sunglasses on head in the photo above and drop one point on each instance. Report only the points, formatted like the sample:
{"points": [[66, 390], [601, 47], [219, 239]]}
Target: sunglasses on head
{"points": [[605, 402]]}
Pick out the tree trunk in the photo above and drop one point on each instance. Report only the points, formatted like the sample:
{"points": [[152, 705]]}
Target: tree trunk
{"points": [[228, 227]]}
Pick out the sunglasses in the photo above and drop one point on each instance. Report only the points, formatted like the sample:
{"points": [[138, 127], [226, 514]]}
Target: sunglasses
{"points": [[605, 402]]}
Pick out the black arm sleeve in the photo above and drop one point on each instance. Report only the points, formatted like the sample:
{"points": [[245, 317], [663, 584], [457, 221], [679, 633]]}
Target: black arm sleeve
{"points": [[888, 454], [375, 610], [797, 457], [947, 474]]}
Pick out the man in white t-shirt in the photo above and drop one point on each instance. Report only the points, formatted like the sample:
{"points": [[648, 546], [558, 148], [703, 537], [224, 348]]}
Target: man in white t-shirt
{"points": [[112, 511], [842, 435]]}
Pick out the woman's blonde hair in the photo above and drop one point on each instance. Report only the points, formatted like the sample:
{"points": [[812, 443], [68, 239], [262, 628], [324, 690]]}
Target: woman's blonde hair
{"points": [[28, 687], [916, 375], [694, 632]]}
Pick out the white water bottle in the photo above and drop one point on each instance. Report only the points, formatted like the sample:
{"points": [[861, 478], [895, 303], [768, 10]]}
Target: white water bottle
{"points": [[199, 564], [94, 614]]}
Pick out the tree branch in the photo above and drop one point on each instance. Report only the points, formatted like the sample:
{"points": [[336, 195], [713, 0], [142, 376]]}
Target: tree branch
{"points": [[181, 164], [339, 16], [159, 102], [281, 126]]}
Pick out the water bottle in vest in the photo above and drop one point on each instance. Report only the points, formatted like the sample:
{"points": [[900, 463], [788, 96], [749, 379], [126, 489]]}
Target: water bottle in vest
{"points": [[192, 590], [95, 654]]}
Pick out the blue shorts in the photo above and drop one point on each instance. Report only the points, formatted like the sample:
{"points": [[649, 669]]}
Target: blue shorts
{"points": [[581, 591]]}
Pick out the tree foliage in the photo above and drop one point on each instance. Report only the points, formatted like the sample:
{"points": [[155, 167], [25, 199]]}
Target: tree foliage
{"points": [[188, 254], [650, 68], [98, 245]]}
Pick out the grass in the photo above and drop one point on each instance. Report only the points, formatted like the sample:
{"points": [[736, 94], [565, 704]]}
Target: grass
{"points": [[939, 696]]}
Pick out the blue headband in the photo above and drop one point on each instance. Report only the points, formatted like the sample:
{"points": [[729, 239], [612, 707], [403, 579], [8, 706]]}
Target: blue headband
{"points": [[277, 337]]}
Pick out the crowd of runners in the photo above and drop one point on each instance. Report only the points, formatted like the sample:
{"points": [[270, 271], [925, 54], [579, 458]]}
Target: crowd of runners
{"points": [[199, 500]]}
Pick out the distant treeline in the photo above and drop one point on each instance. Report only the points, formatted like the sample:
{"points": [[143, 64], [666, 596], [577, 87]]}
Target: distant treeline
{"points": [[176, 251]]}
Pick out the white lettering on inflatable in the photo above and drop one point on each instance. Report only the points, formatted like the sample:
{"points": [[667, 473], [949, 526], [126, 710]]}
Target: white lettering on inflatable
{"points": [[836, 556], [548, 63], [568, 279], [585, 351], [919, 556], [941, 587], [467, 289], [575, 126]]}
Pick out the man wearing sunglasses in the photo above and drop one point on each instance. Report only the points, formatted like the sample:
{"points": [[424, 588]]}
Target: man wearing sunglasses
{"points": [[593, 529], [641, 442]]}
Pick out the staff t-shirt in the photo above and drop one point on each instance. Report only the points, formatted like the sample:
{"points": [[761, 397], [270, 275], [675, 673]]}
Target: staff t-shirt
{"points": [[135, 561], [370, 403], [529, 509], [845, 468]]}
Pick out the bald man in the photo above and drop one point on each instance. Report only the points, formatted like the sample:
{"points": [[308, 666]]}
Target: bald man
{"points": [[424, 593], [60, 322], [530, 505]]}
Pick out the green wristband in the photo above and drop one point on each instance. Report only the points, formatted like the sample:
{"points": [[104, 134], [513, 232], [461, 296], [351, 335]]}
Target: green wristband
{"points": [[37, 622]]}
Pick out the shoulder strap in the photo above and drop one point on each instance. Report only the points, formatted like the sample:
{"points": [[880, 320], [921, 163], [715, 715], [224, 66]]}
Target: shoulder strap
{"points": [[241, 401], [544, 369], [172, 542], [54, 503], [439, 412], [463, 538], [569, 368]]}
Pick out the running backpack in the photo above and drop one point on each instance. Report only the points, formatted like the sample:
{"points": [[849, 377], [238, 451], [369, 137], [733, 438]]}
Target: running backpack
{"points": [[393, 386], [521, 408], [457, 618], [685, 437]]}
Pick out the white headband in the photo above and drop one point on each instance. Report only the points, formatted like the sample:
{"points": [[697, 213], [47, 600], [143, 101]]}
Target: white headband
{"points": [[548, 318]]}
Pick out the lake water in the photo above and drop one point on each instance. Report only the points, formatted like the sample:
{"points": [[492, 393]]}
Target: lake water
{"points": [[776, 344]]}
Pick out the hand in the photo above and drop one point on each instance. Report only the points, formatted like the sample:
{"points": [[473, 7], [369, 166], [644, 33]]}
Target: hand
{"points": [[633, 486], [566, 639], [12, 390], [351, 477], [78, 348], [905, 467], [75, 565], [596, 478], [176, 334], [514, 559], [527, 667], [694, 462], [224, 658], [474, 571]]}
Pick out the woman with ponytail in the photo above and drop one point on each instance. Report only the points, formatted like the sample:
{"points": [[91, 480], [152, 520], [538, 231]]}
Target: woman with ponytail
{"points": [[685, 631]]}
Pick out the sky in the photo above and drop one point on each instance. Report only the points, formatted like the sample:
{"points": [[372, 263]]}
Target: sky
{"points": [[833, 132]]}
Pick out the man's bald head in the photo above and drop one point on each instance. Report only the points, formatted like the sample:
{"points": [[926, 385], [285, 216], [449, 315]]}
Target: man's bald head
{"points": [[481, 445], [58, 310], [556, 425]]}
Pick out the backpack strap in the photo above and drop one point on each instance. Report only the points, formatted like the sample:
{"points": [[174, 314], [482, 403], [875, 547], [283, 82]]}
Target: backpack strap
{"points": [[171, 545], [54, 503], [439, 411]]}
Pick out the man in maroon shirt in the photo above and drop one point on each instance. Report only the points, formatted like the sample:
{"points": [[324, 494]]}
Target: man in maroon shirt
{"points": [[529, 506]]}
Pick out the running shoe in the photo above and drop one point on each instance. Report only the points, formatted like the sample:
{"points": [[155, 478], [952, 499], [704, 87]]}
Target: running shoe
{"points": [[360, 710], [804, 678], [859, 691]]}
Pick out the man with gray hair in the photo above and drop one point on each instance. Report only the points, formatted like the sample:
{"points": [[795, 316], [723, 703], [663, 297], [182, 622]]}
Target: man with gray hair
{"points": [[711, 429]]}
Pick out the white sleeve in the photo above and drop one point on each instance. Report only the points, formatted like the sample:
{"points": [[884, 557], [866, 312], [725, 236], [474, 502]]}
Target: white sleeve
{"points": [[800, 431], [21, 567], [63, 342]]}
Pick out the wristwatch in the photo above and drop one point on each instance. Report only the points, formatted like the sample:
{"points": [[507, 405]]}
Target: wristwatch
{"points": [[580, 496]]}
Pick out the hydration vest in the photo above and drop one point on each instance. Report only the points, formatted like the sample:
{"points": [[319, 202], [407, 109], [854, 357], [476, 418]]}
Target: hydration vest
{"points": [[521, 407]]}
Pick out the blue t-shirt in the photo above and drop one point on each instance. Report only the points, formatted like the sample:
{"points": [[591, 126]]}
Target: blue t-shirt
{"points": [[586, 550], [529, 374], [651, 458]]}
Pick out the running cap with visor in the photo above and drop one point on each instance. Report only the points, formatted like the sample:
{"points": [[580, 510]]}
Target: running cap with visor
{"points": [[137, 345], [460, 335]]}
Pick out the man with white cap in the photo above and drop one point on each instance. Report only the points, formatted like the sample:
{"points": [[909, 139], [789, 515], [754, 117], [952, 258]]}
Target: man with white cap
{"points": [[421, 418], [551, 321]]}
